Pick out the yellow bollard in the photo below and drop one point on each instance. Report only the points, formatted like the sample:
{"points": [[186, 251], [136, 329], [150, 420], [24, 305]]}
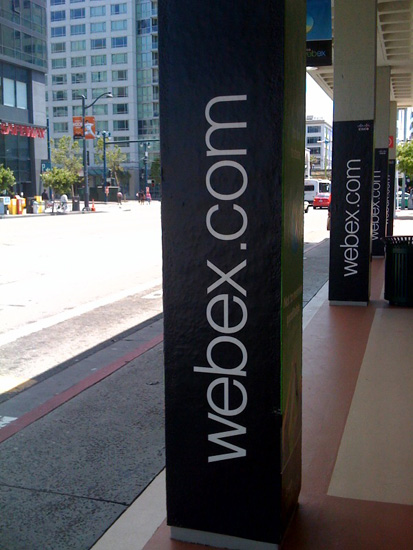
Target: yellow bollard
{"points": [[13, 207]]}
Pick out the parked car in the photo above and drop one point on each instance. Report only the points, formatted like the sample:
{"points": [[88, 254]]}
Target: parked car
{"points": [[322, 200], [306, 206]]}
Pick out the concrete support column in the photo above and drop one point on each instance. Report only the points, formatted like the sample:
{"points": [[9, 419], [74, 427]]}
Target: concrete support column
{"points": [[353, 127], [381, 159], [392, 167], [232, 142]]}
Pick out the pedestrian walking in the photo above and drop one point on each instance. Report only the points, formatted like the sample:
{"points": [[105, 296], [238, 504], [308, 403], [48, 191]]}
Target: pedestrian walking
{"points": [[148, 197], [120, 197]]}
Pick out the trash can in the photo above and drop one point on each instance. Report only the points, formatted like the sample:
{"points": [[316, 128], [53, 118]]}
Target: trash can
{"points": [[75, 204], [36, 207], [29, 205], [398, 277]]}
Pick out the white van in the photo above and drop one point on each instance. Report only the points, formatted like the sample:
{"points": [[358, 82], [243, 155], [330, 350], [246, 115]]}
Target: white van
{"points": [[312, 187]]}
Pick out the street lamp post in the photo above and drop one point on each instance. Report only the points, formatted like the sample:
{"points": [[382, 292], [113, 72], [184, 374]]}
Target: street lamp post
{"points": [[326, 142], [146, 145], [84, 108], [105, 135]]}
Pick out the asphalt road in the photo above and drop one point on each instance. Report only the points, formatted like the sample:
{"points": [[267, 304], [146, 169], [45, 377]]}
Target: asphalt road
{"points": [[71, 282]]}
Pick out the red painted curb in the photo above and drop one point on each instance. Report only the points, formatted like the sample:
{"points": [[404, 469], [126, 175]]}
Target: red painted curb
{"points": [[75, 390]]}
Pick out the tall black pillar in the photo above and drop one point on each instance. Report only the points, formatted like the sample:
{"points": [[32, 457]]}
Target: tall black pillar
{"points": [[381, 161], [232, 84], [353, 138]]}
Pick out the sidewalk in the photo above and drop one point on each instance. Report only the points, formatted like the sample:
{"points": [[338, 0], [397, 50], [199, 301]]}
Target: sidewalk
{"points": [[82, 452], [100, 207]]}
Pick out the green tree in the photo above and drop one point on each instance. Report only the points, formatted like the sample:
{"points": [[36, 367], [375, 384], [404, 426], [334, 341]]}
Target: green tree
{"points": [[405, 158], [7, 179], [156, 170], [114, 158], [66, 153], [61, 180], [313, 161]]}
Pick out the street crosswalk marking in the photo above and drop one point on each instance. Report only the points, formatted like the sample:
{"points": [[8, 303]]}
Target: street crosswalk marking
{"points": [[6, 420]]}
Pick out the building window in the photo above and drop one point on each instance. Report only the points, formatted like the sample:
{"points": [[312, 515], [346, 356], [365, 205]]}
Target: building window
{"points": [[102, 126], [120, 91], [61, 127], [148, 127], [97, 11], [98, 27], [121, 125], [155, 92], [119, 58], [78, 45], [144, 26], [58, 47], [98, 44], [120, 108], [120, 75], [312, 140], [60, 111], [100, 76], [144, 60], [119, 42], [315, 150], [154, 41], [59, 79], [60, 95], [14, 93], [100, 109], [119, 139], [77, 29], [59, 63], [78, 61], [57, 16], [57, 2], [98, 91], [77, 110], [78, 13], [77, 94], [120, 25], [78, 78], [155, 59], [117, 9], [144, 77], [313, 129], [97, 60], [58, 32]]}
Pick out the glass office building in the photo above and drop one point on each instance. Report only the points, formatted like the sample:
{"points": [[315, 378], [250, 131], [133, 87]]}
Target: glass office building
{"points": [[23, 64], [96, 46]]}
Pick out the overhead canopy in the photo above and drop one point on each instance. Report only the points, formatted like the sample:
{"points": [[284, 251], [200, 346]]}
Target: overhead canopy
{"points": [[394, 50]]}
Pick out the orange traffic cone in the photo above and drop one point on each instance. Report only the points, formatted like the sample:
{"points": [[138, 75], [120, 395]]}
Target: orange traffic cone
{"points": [[93, 205]]}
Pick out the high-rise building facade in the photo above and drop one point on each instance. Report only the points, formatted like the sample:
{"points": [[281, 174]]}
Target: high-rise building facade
{"points": [[23, 65], [319, 140], [96, 46]]}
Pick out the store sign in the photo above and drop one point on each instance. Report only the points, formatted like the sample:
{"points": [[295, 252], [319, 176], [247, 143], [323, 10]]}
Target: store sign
{"points": [[22, 130], [319, 33]]}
